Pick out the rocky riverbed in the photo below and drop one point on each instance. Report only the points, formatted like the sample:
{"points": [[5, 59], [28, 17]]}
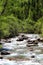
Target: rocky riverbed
{"points": [[25, 49]]}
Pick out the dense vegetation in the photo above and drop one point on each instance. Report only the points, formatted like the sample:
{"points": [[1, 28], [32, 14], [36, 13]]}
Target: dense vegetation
{"points": [[20, 16]]}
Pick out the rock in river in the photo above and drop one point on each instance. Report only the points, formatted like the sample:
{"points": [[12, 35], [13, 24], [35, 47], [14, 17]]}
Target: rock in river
{"points": [[5, 53], [1, 57], [22, 37], [40, 39], [32, 42]]}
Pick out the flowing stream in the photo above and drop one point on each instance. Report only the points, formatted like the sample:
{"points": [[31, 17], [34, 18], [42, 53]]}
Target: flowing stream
{"points": [[21, 54]]}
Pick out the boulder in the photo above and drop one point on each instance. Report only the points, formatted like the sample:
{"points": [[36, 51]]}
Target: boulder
{"points": [[22, 37], [31, 49], [29, 45], [40, 39], [32, 43], [5, 53], [8, 41], [32, 56], [1, 57], [35, 42]]}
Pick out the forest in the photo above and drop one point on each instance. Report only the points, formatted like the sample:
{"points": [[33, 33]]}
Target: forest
{"points": [[20, 16]]}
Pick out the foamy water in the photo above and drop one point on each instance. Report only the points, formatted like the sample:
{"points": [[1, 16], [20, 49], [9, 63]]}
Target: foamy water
{"points": [[20, 50]]}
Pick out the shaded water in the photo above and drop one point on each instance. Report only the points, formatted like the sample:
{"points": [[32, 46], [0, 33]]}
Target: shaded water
{"points": [[21, 54]]}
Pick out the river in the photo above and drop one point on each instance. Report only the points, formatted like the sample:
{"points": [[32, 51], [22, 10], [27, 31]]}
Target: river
{"points": [[21, 54]]}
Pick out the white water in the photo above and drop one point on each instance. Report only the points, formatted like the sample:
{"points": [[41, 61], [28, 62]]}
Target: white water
{"points": [[19, 49], [7, 62]]}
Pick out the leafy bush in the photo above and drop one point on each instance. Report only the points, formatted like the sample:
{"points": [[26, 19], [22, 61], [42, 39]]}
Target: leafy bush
{"points": [[39, 26], [20, 16]]}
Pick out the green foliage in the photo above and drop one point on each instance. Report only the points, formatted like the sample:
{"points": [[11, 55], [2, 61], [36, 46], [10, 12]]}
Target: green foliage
{"points": [[41, 19], [39, 26], [0, 46], [20, 16]]}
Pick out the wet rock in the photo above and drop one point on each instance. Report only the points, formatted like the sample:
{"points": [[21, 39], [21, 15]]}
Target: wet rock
{"points": [[29, 45], [32, 42], [5, 53], [1, 57], [33, 56], [28, 40], [35, 42], [22, 37], [40, 39], [31, 49], [8, 41], [0, 43]]}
